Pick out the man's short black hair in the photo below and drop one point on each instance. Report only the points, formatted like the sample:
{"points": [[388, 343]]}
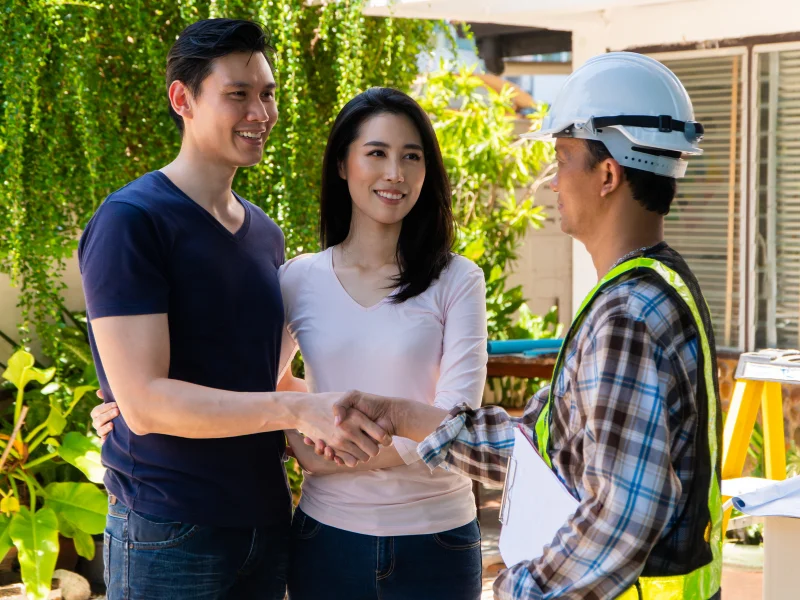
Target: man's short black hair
{"points": [[654, 192], [189, 60]]}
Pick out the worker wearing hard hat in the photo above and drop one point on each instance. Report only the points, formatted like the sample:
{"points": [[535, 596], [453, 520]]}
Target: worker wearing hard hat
{"points": [[631, 423]]}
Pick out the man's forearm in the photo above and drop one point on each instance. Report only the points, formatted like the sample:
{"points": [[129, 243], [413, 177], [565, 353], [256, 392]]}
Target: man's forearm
{"points": [[183, 409]]}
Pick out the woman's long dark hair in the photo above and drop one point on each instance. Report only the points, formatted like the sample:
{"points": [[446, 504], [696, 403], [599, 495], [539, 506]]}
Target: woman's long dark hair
{"points": [[427, 232]]}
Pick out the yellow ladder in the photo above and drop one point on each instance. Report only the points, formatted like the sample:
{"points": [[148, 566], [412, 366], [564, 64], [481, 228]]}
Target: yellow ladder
{"points": [[759, 376]]}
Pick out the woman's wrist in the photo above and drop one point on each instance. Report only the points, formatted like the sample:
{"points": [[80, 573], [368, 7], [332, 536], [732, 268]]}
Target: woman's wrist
{"points": [[415, 420]]}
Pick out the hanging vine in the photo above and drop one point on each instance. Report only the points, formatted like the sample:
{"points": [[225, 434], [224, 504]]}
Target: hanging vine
{"points": [[83, 111]]}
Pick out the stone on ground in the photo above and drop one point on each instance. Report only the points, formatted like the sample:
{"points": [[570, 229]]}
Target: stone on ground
{"points": [[72, 585]]}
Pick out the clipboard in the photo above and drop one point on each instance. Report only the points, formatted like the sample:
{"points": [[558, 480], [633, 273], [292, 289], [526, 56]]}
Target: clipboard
{"points": [[534, 506]]}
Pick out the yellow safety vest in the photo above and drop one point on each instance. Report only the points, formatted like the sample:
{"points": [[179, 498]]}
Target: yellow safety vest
{"points": [[704, 582]]}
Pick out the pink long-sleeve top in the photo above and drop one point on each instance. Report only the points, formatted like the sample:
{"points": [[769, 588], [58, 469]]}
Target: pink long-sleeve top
{"points": [[430, 348]]}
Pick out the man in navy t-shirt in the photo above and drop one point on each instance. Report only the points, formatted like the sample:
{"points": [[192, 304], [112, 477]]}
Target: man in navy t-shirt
{"points": [[186, 318]]}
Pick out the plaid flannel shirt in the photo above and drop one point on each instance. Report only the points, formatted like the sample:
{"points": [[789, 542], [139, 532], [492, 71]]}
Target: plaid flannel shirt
{"points": [[624, 417]]}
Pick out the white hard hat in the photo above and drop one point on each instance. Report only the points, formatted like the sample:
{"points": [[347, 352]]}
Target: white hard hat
{"points": [[632, 103]]}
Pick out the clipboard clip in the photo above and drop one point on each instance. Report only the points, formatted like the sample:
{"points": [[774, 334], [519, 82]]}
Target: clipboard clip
{"points": [[505, 501]]}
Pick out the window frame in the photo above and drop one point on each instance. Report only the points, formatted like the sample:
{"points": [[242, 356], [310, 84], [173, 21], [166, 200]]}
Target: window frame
{"points": [[746, 321], [755, 51]]}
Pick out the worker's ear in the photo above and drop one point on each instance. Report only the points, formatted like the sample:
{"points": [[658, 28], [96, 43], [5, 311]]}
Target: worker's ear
{"points": [[613, 175]]}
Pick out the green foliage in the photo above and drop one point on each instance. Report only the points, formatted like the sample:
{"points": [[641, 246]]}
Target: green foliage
{"points": [[35, 534], [5, 534], [792, 460], [57, 405], [757, 455], [31, 456], [83, 453], [494, 176], [294, 474], [83, 111], [82, 505]]}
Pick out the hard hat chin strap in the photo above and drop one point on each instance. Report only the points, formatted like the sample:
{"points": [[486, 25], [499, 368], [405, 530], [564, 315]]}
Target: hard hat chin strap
{"points": [[691, 129]]}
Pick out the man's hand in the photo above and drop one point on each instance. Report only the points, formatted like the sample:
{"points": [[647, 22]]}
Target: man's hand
{"points": [[354, 439], [103, 416]]}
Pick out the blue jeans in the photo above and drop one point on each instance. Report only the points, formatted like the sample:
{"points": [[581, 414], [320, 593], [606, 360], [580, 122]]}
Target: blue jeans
{"points": [[332, 564], [148, 557]]}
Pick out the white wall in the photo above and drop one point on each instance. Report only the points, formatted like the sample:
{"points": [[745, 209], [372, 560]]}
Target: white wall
{"points": [[11, 317], [545, 263], [685, 22]]}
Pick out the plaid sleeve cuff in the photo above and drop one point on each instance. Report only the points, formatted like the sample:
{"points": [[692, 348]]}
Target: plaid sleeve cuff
{"points": [[434, 448], [517, 583]]}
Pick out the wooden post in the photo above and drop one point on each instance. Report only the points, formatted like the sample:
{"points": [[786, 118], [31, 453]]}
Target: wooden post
{"points": [[734, 120]]}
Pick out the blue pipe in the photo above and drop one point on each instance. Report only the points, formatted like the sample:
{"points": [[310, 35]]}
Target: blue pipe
{"points": [[518, 346]]}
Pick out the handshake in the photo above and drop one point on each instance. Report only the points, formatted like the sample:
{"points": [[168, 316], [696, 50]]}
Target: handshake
{"points": [[347, 428], [344, 428], [350, 428]]}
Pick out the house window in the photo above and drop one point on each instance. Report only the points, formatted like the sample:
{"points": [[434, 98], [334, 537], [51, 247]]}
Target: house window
{"points": [[706, 222], [776, 194]]}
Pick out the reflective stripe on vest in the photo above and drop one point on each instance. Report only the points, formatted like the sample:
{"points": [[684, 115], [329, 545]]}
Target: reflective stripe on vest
{"points": [[704, 582]]}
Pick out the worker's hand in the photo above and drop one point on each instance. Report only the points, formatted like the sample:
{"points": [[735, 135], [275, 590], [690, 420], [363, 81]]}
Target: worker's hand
{"points": [[378, 409]]}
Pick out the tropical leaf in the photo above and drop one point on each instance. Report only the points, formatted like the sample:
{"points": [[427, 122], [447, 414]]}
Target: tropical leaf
{"points": [[21, 371], [82, 505], [65, 528], [475, 249], [5, 537], [84, 544], [50, 388], [78, 393], [84, 453], [55, 421], [36, 537]]}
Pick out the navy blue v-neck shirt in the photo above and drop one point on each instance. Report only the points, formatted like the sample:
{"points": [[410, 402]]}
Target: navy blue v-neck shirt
{"points": [[150, 249]]}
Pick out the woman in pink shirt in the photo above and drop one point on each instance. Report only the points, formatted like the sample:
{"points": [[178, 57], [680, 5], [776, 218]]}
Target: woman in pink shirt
{"points": [[385, 308]]}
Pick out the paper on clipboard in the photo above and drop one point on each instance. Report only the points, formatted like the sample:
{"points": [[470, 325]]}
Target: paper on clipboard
{"points": [[535, 504]]}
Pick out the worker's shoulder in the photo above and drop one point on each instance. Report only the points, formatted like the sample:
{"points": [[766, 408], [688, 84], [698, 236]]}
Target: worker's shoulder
{"points": [[648, 299]]}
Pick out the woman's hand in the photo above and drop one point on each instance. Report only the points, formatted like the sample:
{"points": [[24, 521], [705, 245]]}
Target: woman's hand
{"points": [[103, 416]]}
